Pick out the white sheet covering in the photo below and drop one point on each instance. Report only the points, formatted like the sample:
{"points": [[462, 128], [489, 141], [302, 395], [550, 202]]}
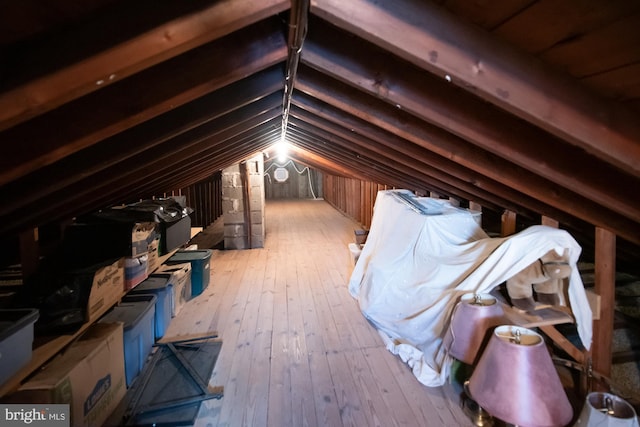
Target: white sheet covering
{"points": [[414, 267]]}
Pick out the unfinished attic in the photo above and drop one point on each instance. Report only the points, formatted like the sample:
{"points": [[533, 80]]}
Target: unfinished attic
{"points": [[445, 163]]}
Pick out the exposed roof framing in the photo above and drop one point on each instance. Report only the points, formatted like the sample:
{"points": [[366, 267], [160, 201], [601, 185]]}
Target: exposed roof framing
{"points": [[432, 39], [526, 105]]}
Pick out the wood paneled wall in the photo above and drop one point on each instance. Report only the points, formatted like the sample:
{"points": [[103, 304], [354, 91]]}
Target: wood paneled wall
{"points": [[303, 182], [354, 197], [205, 198]]}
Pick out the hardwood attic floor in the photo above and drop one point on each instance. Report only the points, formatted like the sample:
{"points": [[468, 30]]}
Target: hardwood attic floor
{"points": [[296, 349]]}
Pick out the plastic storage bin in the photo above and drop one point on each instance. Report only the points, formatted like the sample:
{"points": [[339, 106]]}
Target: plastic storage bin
{"points": [[179, 276], [137, 313], [16, 340], [200, 265], [161, 288]]}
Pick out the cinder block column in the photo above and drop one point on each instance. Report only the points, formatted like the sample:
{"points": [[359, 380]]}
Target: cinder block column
{"points": [[243, 219], [255, 167]]}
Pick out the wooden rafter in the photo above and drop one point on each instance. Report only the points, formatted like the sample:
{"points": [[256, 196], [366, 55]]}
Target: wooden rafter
{"points": [[132, 56], [457, 149], [427, 36], [262, 90], [459, 113], [194, 75]]}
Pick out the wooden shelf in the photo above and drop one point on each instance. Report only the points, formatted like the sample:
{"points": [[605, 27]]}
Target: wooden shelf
{"points": [[45, 348], [544, 316]]}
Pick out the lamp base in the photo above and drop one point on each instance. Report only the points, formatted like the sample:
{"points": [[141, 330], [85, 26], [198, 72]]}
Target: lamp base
{"points": [[478, 416], [470, 407]]}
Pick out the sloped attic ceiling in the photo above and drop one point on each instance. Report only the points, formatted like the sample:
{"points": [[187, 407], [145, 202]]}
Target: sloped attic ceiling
{"points": [[524, 105]]}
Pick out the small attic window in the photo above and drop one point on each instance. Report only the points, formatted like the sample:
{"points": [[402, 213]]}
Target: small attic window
{"points": [[281, 174]]}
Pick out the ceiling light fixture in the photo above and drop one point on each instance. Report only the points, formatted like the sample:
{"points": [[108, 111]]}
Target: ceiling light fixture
{"points": [[282, 150]]}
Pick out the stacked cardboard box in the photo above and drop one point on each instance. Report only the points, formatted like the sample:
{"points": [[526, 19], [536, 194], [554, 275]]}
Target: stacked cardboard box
{"points": [[89, 376]]}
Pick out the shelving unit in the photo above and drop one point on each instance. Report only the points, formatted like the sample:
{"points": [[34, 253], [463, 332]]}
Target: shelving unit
{"points": [[45, 348]]}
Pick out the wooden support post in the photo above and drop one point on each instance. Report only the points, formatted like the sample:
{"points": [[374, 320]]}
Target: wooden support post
{"points": [[473, 206], [562, 342], [549, 221], [246, 200], [550, 330], [605, 281], [508, 223], [476, 207], [29, 252]]}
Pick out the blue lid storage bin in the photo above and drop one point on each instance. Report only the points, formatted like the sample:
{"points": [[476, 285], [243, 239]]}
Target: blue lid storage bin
{"points": [[16, 340], [161, 288], [200, 260], [179, 277], [137, 313]]}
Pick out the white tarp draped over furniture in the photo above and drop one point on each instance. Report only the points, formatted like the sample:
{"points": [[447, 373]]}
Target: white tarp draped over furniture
{"points": [[414, 267]]}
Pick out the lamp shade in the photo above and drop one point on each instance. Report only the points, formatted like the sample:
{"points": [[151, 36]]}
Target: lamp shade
{"points": [[515, 380], [606, 410], [472, 317]]}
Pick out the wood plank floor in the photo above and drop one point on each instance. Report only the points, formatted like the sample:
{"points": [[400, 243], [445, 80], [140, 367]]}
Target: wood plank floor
{"points": [[296, 349]]}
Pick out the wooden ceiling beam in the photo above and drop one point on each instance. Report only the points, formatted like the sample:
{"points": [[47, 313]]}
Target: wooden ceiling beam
{"points": [[441, 104], [191, 122], [216, 152], [489, 193], [353, 168], [445, 144], [320, 163], [124, 181], [370, 167], [148, 94], [152, 181], [456, 179], [337, 146], [185, 162], [131, 56], [429, 37], [309, 159], [407, 161]]}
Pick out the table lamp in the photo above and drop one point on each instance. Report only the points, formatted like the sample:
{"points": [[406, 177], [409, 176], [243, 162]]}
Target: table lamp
{"points": [[515, 380], [472, 317], [466, 336], [606, 410]]}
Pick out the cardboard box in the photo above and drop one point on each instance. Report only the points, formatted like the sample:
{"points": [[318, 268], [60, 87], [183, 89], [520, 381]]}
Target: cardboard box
{"points": [[153, 257], [89, 376], [106, 290], [142, 236], [180, 280]]}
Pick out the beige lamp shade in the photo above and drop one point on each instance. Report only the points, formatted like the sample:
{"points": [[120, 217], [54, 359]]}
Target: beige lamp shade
{"points": [[470, 322], [606, 410], [516, 381]]}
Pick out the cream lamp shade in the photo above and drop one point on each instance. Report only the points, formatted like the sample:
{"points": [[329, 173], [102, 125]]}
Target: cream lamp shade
{"points": [[606, 410]]}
